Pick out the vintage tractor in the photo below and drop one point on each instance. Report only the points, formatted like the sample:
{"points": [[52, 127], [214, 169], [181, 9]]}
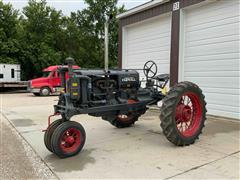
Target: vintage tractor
{"points": [[118, 97]]}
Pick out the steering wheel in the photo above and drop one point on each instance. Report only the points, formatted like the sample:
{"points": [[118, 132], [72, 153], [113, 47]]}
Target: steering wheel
{"points": [[150, 69]]}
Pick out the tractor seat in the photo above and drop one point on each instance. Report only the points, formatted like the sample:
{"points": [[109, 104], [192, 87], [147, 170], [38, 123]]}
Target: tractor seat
{"points": [[162, 77]]}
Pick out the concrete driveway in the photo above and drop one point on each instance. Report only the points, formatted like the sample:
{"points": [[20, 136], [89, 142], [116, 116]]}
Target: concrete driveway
{"points": [[141, 151]]}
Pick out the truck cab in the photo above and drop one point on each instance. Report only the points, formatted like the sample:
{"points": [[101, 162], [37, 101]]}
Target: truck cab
{"points": [[49, 83]]}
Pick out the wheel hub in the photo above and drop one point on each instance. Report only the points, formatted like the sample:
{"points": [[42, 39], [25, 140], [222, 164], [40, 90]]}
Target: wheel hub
{"points": [[70, 140], [183, 113], [45, 92]]}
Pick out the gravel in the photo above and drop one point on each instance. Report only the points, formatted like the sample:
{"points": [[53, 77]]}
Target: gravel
{"points": [[17, 158]]}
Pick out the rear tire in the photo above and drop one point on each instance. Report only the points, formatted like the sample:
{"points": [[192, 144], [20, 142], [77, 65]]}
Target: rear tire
{"points": [[68, 139], [175, 112], [45, 91], [49, 132], [122, 122], [119, 124]]}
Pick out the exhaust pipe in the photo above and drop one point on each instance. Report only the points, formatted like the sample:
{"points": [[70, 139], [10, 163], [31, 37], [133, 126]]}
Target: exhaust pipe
{"points": [[70, 62], [106, 41]]}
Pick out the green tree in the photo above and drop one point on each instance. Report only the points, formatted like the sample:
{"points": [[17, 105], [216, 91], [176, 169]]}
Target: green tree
{"points": [[90, 22], [8, 34], [41, 34]]}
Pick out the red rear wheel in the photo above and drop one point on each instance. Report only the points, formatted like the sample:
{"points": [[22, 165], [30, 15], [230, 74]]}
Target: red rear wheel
{"points": [[128, 119], [183, 114], [68, 139], [188, 114]]}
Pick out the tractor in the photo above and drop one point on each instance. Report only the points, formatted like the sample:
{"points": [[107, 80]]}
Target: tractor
{"points": [[119, 97]]}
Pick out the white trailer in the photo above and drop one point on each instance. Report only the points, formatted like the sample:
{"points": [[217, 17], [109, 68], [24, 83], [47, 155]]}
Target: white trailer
{"points": [[10, 76]]}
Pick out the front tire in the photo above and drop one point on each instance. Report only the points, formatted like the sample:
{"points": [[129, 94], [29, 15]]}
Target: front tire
{"points": [[183, 114], [68, 139], [49, 132], [45, 91]]}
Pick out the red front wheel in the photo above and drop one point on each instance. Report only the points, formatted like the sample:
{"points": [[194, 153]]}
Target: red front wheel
{"points": [[183, 114], [68, 139]]}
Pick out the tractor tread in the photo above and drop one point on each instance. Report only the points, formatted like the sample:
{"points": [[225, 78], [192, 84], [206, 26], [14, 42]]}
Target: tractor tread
{"points": [[168, 120]]}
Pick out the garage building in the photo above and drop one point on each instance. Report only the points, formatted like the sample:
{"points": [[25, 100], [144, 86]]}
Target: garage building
{"points": [[192, 40]]}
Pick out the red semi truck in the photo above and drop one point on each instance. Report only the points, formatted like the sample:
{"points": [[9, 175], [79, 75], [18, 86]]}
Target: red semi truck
{"points": [[49, 83]]}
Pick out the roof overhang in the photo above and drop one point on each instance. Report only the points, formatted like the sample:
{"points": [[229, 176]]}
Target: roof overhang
{"points": [[142, 7]]}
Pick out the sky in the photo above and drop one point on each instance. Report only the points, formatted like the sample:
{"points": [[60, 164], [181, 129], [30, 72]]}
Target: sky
{"points": [[67, 6]]}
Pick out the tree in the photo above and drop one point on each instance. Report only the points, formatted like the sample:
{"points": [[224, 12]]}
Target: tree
{"points": [[8, 34], [91, 21], [40, 37]]}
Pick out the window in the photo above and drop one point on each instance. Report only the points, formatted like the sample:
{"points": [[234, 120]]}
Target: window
{"points": [[58, 74], [12, 73], [1, 76], [46, 73]]}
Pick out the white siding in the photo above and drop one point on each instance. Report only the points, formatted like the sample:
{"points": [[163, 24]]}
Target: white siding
{"points": [[148, 40], [211, 54]]}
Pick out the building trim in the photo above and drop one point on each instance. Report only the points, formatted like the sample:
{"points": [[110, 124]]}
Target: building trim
{"points": [[181, 46], [174, 52], [142, 7]]}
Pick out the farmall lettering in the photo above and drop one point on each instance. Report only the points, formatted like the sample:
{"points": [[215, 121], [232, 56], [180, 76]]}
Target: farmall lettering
{"points": [[129, 79]]}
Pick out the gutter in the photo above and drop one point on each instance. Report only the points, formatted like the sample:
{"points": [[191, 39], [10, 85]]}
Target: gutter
{"points": [[142, 7]]}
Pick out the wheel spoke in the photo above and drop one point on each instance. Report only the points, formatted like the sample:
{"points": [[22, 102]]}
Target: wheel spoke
{"points": [[185, 100], [181, 127], [151, 66], [64, 137], [178, 121], [151, 71], [189, 100]]}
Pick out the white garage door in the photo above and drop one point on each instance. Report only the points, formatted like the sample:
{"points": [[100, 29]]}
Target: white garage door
{"points": [[211, 54], [148, 40]]}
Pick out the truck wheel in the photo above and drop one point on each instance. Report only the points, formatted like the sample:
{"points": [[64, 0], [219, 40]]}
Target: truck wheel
{"points": [[68, 139], [123, 121], [45, 91], [48, 133], [183, 114], [36, 94]]}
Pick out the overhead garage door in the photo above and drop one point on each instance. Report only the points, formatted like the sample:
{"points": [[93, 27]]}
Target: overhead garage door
{"points": [[148, 40], [211, 54]]}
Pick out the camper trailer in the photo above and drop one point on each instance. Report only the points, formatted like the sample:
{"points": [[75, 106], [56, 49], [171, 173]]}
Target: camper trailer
{"points": [[10, 76]]}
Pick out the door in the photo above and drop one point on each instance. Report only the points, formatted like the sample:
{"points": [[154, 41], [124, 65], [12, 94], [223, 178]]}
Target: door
{"points": [[55, 79], [211, 54], [147, 40]]}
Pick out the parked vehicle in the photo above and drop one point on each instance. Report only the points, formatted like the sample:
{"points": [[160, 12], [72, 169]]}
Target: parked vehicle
{"points": [[10, 77], [117, 97], [49, 83]]}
